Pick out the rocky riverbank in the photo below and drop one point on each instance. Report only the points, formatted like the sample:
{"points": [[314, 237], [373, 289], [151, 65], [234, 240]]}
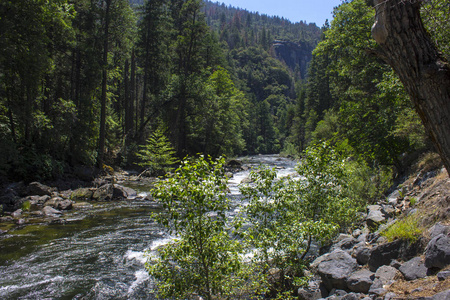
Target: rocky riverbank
{"points": [[34, 203], [366, 265]]}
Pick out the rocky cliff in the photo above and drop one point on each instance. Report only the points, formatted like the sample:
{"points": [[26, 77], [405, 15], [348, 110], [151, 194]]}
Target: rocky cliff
{"points": [[295, 56]]}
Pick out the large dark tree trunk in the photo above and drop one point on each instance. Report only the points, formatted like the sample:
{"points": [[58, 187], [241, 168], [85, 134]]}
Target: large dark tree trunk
{"points": [[407, 47]]}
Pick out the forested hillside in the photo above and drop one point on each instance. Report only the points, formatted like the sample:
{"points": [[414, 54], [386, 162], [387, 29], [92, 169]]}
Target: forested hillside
{"points": [[88, 83]]}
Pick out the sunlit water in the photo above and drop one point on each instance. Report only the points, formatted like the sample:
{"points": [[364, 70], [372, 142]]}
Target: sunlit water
{"points": [[100, 253]]}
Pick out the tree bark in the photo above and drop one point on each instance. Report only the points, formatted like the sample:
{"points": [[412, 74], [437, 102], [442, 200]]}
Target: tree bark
{"points": [[407, 47], [102, 134]]}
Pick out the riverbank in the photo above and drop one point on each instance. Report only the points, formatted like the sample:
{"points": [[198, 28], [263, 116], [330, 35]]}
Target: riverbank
{"points": [[400, 251]]}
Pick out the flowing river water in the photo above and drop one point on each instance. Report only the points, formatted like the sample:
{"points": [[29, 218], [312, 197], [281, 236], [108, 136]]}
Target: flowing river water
{"points": [[100, 252]]}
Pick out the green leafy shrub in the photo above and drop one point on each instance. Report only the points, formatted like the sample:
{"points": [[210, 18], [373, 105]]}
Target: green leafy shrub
{"points": [[286, 215], [203, 259]]}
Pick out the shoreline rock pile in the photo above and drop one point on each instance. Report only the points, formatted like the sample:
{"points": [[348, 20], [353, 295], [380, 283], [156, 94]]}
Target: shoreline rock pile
{"points": [[364, 265]]}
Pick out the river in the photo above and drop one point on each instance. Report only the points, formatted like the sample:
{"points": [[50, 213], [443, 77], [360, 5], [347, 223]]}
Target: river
{"points": [[100, 252]]}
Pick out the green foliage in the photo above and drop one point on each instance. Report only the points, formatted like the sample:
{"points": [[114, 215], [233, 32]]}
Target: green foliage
{"points": [[26, 205], [436, 17], [157, 155], [407, 228], [286, 215], [203, 258]]}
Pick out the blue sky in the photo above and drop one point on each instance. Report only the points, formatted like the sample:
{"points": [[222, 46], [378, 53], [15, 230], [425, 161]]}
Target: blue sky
{"points": [[311, 11]]}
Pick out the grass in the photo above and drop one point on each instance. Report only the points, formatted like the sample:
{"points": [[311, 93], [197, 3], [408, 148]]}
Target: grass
{"points": [[407, 229]]}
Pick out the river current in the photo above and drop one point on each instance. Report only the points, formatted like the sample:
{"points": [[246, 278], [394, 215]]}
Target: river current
{"points": [[100, 253]]}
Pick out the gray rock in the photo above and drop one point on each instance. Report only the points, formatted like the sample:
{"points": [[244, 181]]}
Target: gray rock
{"points": [[103, 193], [384, 254], [342, 237], [37, 213], [393, 198], [443, 275], [122, 192], [38, 189], [308, 294], [387, 274], [438, 229], [395, 264], [362, 255], [390, 296], [51, 212], [64, 205], [388, 210], [356, 233], [350, 296], [337, 292], [38, 200], [20, 221], [373, 208], [82, 194], [334, 268], [437, 253], [414, 269], [377, 284], [362, 237], [345, 244], [17, 213], [60, 203], [360, 281], [377, 292], [6, 219], [375, 218], [442, 296]]}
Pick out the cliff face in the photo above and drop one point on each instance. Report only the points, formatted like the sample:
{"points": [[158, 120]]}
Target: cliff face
{"points": [[296, 56]]}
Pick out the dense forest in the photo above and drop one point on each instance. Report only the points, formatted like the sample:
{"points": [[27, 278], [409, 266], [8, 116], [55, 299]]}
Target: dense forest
{"points": [[89, 82], [95, 82]]}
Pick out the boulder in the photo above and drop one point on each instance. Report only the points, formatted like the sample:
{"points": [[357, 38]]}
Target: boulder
{"points": [[393, 198], [103, 193], [377, 292], [122, 192], [59, 203], [438, 229], [38, 189], [387, 275], [234, 164], [334, 268], [307, 294], [345, 244], [375, 216], [17, 213], [82, 194], [442, 296], [51, 212], [443, 275], [413, 269], [360, 281], [351, 296], [314, 291], [362, 255], [384, 254], [437, 253], [64, 205], [395, 264], [390, 296], [38, 200]]}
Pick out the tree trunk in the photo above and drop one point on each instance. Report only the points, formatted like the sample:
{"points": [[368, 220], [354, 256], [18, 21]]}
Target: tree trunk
{"points": [[407, 47], [102, 134]]}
